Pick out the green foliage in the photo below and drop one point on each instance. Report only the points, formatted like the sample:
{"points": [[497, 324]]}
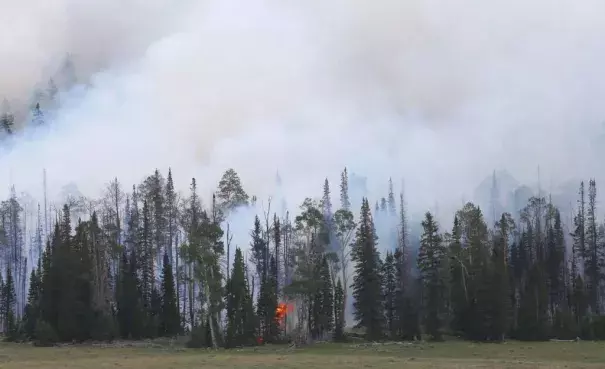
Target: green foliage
{"points": [[46, 335], [339, 312], [389, 293], [7, 305], [431, 257], [170, 324], [240, 316], [367, 292], [200, 336], [98, 281]]}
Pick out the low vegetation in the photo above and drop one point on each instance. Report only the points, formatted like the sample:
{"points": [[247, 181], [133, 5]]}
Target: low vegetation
{"points": [[456, 354]]}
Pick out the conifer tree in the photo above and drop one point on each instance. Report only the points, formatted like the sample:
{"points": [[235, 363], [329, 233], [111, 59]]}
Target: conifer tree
{"points": [[459, 277], [130, 313], [391, 200], [258, 246], [500, 289], [430, 262], [389, 292], [594, 262], [32, 309], [170, 319], [345, 202], [238, 309], [7, 304], [368, 309], [267, 305], [327, 299], [338, 311], [171, 221]]}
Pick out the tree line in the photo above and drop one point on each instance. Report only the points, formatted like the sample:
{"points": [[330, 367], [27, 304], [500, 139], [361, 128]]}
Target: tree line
{"points": [[152, 262]]}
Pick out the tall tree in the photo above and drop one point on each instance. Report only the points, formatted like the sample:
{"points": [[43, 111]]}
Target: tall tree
{"points": [[7, 304], [345, 202], [170, 321], [389, 292], [231, 193], [430, 262], [368, 309]]}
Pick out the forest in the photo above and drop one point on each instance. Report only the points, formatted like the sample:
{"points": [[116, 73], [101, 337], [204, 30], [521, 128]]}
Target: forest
{"points": [[151, 262], [146, 261]]}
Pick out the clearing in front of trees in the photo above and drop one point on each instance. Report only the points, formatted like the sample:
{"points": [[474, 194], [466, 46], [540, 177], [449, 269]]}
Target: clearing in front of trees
{"points": [[456, 354]]}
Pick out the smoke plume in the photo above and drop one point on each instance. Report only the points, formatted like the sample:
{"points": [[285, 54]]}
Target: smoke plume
{"points": [[436, 92]]}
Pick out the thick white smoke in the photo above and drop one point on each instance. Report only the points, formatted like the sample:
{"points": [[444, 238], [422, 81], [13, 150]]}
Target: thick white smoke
{"points": [[439, 92]]}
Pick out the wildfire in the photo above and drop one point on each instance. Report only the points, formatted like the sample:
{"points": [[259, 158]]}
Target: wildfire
{"points": [[281, 311]]}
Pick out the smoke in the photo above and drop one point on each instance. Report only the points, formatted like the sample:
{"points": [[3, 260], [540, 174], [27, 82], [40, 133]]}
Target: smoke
{"points": [[436, 92]]}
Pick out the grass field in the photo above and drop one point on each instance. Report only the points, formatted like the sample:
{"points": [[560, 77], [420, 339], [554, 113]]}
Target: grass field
{"points": [[336, 356]]}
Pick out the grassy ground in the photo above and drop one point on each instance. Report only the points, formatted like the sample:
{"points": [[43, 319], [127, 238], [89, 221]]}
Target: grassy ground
{"points": [[329, 356]]}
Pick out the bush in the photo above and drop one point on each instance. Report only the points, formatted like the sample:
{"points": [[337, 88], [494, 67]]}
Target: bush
{"points": [[45, 335]]}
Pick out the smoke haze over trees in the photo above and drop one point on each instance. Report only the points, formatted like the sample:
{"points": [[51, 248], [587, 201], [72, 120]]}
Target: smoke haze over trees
{"points": [[432, 94]]}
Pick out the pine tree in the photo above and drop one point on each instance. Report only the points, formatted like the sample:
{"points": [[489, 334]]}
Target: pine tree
{"points": [[326, 202], [345, 203], [172, 226], [500, 289], [32, 309], [130, 314], [170, 320], [459, 276], [338, 312], [368, 310], [593, 253], [430, 262], [389, 292], [327, 299], [391, 200], [267, 305], [7, 305], [259, 249], [238, 313]]}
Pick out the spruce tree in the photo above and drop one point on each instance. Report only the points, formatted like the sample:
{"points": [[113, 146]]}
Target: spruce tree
{"points": [[368, 309], [593, 251], [500, 289], [327, 299], [7, 305], [338, 312], [430, 262], [32, 309], [170, 319], [345, 202], [389, 293], [238, 314]]}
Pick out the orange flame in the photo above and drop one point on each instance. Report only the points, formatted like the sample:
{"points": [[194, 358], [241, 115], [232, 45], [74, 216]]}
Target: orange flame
{"points": [[282, 310]]}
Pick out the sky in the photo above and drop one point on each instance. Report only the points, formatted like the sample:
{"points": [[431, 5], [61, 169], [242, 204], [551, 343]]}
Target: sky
{"points": [[435, 92]]}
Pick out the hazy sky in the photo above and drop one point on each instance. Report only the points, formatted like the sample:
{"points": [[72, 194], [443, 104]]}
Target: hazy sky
{"points": [[437, 91]]}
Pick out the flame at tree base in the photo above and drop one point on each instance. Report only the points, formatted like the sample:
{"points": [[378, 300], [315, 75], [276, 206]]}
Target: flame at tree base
{"points": [[282, 311]]}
